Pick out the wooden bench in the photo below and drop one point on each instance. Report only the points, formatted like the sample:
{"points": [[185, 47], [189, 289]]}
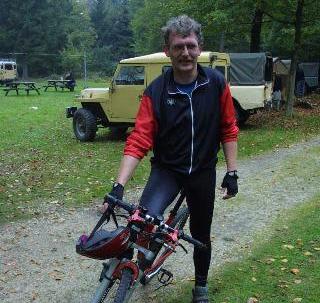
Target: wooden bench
{"points": [[28, 89], [8, 89]]}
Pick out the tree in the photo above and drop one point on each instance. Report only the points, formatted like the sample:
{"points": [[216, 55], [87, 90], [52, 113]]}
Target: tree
{"points": [[80, 37], [295, 54], [111, 20], [35, 28]]}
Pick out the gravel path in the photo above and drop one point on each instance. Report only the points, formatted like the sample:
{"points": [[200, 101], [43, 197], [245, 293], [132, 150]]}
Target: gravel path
{"points": [[38, 260]]}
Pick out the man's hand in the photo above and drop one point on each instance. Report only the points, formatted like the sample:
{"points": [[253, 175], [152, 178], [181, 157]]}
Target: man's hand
{"points": [[230, 184], [116, 192]]}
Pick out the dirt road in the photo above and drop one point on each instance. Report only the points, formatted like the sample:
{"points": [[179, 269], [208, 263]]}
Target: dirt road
{"points": [[38, 260]]}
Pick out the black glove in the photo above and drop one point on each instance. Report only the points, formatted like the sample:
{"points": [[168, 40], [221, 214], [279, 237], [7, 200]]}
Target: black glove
{"points": [[116, 192], [230, 183]]}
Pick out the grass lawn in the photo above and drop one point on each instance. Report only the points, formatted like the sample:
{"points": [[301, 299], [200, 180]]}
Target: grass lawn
{"points": [[42, 162], [285, 268]]}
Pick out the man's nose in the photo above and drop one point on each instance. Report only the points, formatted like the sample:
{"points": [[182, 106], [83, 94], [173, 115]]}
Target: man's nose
{"points": [[185, 50]]}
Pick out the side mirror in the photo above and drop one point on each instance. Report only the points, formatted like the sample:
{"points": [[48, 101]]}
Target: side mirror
{"points": [[112, 86]]}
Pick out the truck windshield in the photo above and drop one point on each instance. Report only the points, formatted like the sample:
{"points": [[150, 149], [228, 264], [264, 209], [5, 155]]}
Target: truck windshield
{"points": [[130, 75]]}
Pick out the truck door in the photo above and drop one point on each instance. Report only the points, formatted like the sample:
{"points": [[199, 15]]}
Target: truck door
{"points": [[127, 88]]}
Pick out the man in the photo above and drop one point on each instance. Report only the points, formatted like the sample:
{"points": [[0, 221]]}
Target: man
{"points": [[184, 116]]}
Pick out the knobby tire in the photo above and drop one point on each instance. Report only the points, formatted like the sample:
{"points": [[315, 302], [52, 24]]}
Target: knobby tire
{"points": [[181, 218], [102, 291], [124, 286]]}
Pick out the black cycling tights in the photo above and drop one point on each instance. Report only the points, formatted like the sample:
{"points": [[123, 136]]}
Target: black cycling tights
{"points": [[161, 189]]}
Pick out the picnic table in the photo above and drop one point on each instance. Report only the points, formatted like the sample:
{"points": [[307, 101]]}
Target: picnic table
{"points": [[58, 84], [21, 85]]}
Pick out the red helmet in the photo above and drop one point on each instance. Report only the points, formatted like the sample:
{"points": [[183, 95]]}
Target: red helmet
{"points": [[104, 244]]}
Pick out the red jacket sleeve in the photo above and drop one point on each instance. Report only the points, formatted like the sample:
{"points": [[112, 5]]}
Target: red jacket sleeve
{"points": [[228, 122], [141, 139]]}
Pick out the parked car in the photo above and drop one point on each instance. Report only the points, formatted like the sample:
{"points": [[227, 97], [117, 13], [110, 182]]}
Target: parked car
{"points": [[8, 70], [116, 106]]}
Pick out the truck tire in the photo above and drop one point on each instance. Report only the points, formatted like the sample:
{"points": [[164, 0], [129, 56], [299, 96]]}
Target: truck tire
{"points": [[241, 114], [118, 131], [84, 125]]}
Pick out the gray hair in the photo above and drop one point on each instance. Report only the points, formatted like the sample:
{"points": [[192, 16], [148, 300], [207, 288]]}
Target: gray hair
{"points": [[184, 26]]}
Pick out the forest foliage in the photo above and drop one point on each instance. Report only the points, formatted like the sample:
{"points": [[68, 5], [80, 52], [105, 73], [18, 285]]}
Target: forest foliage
{"points": [[51, 37]]}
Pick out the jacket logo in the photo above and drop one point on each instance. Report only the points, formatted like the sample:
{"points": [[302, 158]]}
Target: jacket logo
{"points": [[171, 101]]}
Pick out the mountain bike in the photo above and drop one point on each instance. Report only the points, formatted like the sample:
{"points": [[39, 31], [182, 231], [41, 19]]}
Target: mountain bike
{"points": [[153, 238]]}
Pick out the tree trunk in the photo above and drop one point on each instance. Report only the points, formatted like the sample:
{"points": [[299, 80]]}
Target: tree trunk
{"points": [[256, 29], [221, 44], [294, 58], [25, 73]]}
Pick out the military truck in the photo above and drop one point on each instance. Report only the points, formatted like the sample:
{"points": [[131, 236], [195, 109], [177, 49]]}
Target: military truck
{"points": [[8, 70], [116, 106]]}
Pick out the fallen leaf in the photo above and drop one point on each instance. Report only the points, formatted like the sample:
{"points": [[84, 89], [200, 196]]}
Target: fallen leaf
{"points": [[307, 253], [284, 260], [34, 262], [287, 246], [34, 296], [297, 300], [270, 260], [297, 281], [317, 248], [253, 279], [253, 300], [152, 296], [295, 271]]}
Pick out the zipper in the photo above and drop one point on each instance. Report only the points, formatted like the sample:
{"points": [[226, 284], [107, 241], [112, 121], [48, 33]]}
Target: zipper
{"points": [[192, 118], [192, 126], [192, 132]]}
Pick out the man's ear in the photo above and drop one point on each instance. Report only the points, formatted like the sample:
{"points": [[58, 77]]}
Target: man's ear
{"points": [[166, 50]]}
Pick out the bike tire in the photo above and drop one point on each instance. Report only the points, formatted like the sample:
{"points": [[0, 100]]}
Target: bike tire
{"points": [[181, 218], [124, 286], [102, 291]]}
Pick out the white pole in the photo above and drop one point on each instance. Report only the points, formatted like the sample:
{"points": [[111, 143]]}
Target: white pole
{"points": [[85, 68]]}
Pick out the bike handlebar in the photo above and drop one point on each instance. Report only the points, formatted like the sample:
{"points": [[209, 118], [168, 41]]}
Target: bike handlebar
{"points": [[131, 208], [192, 240]]}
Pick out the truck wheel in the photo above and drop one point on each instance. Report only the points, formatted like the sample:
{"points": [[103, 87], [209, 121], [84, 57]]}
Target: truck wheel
{"points": [[118, 131], [84, 125], [241, 114]]}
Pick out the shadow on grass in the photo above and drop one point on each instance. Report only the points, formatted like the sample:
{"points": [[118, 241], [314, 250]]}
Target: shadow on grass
{"points": [[109, 136]]}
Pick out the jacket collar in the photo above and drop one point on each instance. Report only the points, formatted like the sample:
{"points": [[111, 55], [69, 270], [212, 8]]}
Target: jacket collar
{"points": [[202, 79]]}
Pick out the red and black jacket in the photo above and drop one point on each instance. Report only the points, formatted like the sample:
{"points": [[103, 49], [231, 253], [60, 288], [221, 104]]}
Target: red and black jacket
{"points": [[184, 133]]}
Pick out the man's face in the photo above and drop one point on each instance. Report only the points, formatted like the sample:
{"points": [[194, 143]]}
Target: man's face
{"points": [[183, 52]]}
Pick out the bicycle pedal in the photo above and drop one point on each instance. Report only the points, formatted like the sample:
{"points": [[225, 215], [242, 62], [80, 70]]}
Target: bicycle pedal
{"points": [[165, 276]]}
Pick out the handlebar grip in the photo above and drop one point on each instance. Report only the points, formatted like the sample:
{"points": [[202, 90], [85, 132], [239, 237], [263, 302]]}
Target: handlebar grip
{"points": [[193, 241], [116, 202]]}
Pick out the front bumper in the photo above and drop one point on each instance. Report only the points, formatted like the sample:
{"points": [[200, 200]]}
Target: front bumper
{"points": [[70, 111]]}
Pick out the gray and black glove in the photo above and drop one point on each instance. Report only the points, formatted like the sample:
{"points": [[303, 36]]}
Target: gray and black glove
{"points": [[230, 183], [116, 192]]}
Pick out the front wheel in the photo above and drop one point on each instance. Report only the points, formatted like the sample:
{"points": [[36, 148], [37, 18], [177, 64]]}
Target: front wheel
{"points": [[84, 125], [181, 218], [123, 292], [102, 290]]}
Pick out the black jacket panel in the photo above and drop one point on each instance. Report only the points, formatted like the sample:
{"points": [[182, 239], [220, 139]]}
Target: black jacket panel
{"points": [[188, 136]]}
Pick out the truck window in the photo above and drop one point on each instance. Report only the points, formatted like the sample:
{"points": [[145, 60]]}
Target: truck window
{"points": [[130, 75], [165, 68], [8, 67]]}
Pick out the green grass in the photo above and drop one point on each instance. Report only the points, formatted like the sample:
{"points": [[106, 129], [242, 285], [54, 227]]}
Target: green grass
{"points": [[285, 268], [42, 162]]}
